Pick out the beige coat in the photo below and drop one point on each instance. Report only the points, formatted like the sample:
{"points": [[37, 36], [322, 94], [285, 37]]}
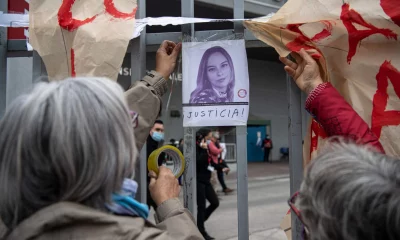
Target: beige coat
{"points": [[66, 220]]}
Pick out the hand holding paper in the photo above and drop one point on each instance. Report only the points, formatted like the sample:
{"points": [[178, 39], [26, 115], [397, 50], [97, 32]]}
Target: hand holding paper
{"points": [[305, 71], [166, 58]]}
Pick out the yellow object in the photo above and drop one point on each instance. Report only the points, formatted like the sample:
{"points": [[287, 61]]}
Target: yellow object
{"points": [[174, 153]]}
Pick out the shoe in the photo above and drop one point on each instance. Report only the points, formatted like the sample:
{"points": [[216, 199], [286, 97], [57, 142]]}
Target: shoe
{"points": [[206, 236], [228, 190]]}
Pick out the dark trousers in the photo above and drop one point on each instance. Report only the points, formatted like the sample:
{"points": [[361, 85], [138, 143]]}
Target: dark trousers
{"points": [[266, 154], [221, 178], [205, 191]]}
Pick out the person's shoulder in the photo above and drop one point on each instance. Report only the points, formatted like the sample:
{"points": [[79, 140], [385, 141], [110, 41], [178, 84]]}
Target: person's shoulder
{"points": [[63, 216], [205, 96]]}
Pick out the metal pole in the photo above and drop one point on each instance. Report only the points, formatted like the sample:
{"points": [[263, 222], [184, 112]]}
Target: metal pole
{"points": [[295, 148], [138, 66], [38, 68], [189, 176], [241, 147], [3, 62]]}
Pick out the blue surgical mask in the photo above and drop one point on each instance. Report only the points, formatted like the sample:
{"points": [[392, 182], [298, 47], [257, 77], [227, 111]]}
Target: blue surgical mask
{"points": [[208, 142], [157, 136]]}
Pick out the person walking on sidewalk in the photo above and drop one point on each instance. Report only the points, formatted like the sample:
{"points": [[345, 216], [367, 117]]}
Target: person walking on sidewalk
{"points": [[222, 167], [267, 145], [205, 190]]}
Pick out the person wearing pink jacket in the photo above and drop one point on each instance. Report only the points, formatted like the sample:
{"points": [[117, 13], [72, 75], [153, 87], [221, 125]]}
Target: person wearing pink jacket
{"points": [[213, 150]]}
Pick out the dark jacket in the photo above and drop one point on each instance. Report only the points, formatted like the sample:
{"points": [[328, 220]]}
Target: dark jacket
{"points": [[202, 162]]}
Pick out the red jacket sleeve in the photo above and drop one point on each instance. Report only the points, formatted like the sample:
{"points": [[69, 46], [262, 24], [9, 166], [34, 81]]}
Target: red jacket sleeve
{"points": [[338, 118], [213, 149]]}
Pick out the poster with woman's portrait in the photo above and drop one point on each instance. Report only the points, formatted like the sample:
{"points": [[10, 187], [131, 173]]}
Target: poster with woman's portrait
{"points": [[215, 88]]}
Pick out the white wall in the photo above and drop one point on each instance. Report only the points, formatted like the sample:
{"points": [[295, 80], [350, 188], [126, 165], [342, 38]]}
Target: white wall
{"points": [[19, 77]]}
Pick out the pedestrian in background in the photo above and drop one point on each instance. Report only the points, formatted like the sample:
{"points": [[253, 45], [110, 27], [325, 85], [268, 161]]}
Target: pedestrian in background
{"points": [[154, 141], [180, 146], [222, 168], [205, 190], [267, 145]]}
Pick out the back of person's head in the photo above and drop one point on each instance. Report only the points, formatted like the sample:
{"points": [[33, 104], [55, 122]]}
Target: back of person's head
{"points": [[352, 193], [65, 141]]}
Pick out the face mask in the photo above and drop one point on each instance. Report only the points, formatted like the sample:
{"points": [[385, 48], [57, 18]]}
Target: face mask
{"points": [[158, 137], [208, 142]]}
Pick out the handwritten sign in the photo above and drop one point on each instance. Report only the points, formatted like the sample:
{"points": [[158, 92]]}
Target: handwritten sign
{"points": [[356, 44], [82, 38], [215, 84]]}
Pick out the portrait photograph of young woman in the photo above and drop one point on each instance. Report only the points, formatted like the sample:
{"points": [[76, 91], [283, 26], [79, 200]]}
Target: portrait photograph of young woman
{"points": [[216, 73], [215, 80], [216, 77]]}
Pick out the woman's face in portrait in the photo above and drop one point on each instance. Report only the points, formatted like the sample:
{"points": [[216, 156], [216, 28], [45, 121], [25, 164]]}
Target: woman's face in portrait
{"points": [[218, 70]]}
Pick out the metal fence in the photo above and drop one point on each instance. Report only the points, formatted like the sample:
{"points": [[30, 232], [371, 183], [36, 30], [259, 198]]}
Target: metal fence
{"points": [[230, 153]]}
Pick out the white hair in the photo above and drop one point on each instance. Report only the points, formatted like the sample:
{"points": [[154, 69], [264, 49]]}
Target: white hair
{"points": [[352, 193], [65, 141]]}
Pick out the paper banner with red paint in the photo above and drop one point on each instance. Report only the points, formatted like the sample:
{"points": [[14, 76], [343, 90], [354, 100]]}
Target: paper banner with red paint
{"points": [[82, 38], [357, 45]]}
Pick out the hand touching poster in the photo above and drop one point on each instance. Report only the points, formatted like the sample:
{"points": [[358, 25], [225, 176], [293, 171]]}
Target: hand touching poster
{"points": [[215, 83], [357, 44], [81, 38]]}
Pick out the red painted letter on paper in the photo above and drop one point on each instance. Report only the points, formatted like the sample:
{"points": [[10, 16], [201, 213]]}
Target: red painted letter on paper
{"points": [[349, 17], [304, 42], [392, 9], [65, 19], [316, 132], [380, 117]]}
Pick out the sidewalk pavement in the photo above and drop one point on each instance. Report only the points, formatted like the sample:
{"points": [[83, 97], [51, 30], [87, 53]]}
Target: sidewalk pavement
{"points": [[270, 234], [259, 171]]}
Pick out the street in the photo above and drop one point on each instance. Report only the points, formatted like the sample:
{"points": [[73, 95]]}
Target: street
{"points": [[267, 207], [268, 189]]}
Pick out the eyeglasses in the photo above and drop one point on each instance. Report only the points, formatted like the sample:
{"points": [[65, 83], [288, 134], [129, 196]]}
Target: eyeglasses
{"points": [[135, 118], [291, 203]]}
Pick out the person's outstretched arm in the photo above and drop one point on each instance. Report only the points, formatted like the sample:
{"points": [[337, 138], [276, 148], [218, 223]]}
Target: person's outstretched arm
{"points": [[325, 103], [144, 97]]}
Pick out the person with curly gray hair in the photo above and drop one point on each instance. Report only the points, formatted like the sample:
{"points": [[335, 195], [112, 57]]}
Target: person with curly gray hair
{"points": [[351, 190], [67, 160]]}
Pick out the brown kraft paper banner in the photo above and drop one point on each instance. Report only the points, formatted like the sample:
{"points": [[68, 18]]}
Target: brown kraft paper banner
{"points": [[81, 38], [357, 46]]}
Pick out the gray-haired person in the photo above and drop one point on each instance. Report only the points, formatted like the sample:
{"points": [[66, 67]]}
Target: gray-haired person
{"points": [[67, 156], [349, 192]]}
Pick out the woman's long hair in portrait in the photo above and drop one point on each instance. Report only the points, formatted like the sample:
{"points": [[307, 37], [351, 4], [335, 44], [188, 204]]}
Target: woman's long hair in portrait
{"points": [[202, 79]]}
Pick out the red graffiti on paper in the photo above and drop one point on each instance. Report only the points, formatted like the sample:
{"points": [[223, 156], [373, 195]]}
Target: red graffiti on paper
{"points": [[113, 11], [305, 42], [380, 117], [65, 19], [392, 9], [350, 17], [67, 22], [316, 132], [73, 73]]}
